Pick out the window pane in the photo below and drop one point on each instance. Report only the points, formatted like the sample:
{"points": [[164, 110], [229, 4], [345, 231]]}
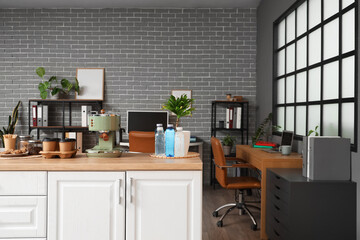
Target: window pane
{"points": [[281, 63], [290, 58], [314, 117], [346, 3], [330, 119], [314, 84], [301, 87], [301, 19], [314, 12], [280, 117], [281, 91], [331, 7], [301, 53], [331, 81], [315, 47], [347, 121], [348, 77], [331, 39], [281, 34], [348, 31], [290, 89], [290, 118], [301, 120], [290, 27]]}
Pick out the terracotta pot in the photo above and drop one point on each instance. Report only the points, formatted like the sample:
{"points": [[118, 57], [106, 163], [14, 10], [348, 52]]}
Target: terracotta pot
{"points": [[227, 150]]}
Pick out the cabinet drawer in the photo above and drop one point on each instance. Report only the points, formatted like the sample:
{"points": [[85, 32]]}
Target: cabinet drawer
{"points": [[23, 183], [274, 214], [275, 190], [279, 182], [23, 217]]}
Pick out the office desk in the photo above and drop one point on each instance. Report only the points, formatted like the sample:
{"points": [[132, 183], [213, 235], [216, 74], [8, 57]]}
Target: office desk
{"points": [[262, 161]]}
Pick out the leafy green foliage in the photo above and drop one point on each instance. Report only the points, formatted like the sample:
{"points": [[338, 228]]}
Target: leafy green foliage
{"points": [[228, 141], [65, 85], [180, 106], [314, 131], [13, 119], [262, 128]]}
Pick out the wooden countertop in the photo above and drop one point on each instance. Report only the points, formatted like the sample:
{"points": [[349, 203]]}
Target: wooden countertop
{"points": [[127, 162]]}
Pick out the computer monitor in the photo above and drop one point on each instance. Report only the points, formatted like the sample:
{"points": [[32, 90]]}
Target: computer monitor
{"points": [[146, 120], [287, 138]]}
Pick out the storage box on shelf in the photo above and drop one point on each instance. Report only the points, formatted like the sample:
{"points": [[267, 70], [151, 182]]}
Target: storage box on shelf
{"points": [[64, 126]]}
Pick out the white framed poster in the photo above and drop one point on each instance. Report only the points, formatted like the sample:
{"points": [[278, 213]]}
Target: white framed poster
{"points": [[91, 82], [179, 93]]}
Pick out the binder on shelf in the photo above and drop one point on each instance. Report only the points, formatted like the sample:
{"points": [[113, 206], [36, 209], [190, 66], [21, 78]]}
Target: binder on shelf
{"points": [[85, 111], [227, 124], [231, 118], [45, 115], [39, 116], [34, 115], [238, 118]]}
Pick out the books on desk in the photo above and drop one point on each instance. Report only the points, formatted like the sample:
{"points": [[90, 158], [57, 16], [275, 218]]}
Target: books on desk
{"points": [[263, 144]]}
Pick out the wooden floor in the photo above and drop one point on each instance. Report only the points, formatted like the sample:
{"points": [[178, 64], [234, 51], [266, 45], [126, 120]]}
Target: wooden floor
{"points": [[235, 227]]}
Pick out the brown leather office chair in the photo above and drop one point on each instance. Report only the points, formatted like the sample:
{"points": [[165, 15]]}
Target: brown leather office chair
{"points": [[142, 142], [239, 184]]}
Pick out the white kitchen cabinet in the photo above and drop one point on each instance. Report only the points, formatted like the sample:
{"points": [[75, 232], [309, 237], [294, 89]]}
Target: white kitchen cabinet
{"points": [[22, 216], [86, 205], [163, 205], [19, 183]]}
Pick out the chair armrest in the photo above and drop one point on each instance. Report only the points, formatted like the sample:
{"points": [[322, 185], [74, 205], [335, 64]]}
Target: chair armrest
{"points": [[237, 165], [234, 159]]}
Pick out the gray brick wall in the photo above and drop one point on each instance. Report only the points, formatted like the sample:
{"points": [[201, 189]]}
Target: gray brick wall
{"points": [[145, 52]]}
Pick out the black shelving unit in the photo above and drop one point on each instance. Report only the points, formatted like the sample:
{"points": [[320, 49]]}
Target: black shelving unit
{"points": [[243, 132], [62, 128]]}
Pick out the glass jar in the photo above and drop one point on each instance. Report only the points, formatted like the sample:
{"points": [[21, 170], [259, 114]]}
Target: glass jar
{"points": [[34, 147], [23, 142]]}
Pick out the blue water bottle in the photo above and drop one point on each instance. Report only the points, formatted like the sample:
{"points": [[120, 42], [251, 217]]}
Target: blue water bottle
{"points": [[169, 140]]}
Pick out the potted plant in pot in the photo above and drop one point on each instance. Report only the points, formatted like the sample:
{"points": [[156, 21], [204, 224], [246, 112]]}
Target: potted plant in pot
{"points": [[181, 107], [58, 90], [9, 131], [228, 142]]}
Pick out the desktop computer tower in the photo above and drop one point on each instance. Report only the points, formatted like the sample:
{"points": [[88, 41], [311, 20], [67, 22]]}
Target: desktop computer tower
{"points": [[326, 158]]}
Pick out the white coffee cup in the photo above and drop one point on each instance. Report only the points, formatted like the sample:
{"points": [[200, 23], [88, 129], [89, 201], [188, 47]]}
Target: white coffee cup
{"points": [[285, 149]]}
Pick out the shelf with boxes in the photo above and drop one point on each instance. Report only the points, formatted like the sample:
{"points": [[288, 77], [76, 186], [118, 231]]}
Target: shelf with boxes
{"points": [[39, 113]]}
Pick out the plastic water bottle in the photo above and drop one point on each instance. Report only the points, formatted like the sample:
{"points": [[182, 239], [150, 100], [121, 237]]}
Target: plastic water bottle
{"points": [[179, 143], [169, 141], [159, 140]]}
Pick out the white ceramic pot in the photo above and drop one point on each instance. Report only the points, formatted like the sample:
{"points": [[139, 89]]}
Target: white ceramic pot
{"points": [[186, 141], [227, 150]]}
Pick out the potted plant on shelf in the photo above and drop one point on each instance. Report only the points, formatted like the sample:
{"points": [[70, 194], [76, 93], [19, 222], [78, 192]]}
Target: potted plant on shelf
{"points": [[180, 106], [228, 142], [46, 87], [13, 119]]}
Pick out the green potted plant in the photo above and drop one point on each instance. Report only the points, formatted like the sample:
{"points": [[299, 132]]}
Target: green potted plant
{"points": [[13, 119], [265, 129], [180, 106], [46, 87], [228, 142]]}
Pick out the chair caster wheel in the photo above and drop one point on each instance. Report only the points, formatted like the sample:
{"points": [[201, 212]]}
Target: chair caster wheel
{"points": [[215, 214], [253, 227], [219, 223]]}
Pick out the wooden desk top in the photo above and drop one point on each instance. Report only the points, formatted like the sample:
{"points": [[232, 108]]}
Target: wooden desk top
{"points": [[265, 155], [127, 162]]}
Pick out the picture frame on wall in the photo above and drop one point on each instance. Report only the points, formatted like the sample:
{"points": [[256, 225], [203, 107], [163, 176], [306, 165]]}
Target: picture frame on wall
{"points": [[91, 82], [179, 92]]}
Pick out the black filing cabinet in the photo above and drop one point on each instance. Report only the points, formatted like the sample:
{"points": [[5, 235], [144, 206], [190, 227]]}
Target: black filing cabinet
{"points": [[298, 208]]}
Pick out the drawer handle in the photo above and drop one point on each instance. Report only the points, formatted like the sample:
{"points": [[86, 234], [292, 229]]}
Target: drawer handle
{"points": [[277, 187], [276, 233], [277, 177], [277, 197], [276, 207], [277, 220]]}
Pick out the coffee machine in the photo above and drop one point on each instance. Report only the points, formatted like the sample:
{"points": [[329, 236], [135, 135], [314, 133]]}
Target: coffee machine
{"points": [[106, 125]]}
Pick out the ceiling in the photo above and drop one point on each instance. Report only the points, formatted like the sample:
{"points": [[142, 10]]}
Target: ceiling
{"points": [[129, 3]]}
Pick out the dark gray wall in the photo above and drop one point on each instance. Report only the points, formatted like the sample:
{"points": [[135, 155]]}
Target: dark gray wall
{"points": [[145, 52], [268, 12]]}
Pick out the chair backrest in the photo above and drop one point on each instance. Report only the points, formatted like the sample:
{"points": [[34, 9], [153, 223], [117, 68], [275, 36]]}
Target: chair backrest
{"points": [[219, 158], [142, 142]]}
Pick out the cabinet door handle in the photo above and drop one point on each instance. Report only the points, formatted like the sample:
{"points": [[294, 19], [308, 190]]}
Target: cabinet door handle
{"points": [[131, 186], [119, 191]]}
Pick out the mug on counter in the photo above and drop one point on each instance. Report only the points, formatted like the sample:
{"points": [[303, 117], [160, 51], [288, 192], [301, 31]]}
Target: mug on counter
{"points": [[285, 149]]}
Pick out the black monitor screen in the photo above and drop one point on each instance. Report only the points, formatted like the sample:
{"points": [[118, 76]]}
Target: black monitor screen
{"points": [[287, 138], [146, 121]]}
